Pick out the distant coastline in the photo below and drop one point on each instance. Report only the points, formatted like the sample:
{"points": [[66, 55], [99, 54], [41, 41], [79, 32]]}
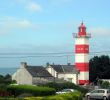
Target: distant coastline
{"points": [[4, 71]]}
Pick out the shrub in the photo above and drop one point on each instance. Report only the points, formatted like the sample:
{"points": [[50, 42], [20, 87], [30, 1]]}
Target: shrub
{"points": [[3, 87], [66, 96], [1, 98], [60, 86], [105, 84], [34, 90]]}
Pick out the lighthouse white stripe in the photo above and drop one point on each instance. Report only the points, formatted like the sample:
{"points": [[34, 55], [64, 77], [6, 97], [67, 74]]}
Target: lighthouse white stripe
{"points": [[84, 76], [81, 58], [82, 41]]}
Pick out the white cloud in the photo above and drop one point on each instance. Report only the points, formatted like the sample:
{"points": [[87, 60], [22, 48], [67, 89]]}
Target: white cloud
{"points": [[24, 24], [34, 7], [9, 24], [99, 32], [30, 5]]}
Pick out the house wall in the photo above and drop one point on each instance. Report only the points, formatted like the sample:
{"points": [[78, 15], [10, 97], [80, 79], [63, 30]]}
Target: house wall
{"points": [[41, 80], [22, 76], [69, 77], [51, 71]]}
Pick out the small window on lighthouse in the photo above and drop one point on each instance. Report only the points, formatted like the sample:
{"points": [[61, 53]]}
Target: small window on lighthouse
{"points": [[81, 29]]}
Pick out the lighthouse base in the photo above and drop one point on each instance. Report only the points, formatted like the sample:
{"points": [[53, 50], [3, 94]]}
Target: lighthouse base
{"points": [[83, 82]]}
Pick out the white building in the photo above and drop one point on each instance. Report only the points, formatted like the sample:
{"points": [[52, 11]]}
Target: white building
{"points": [[32, 75], [66, 72]]}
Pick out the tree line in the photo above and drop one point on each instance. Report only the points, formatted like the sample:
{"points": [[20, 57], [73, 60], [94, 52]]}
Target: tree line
{"points": [[99, 67], [5, 80]]}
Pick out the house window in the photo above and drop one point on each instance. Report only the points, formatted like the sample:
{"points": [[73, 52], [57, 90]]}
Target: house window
{"points": [[70, 80]]}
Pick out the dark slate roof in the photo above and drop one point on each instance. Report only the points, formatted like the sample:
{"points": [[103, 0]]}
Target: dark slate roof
{"points": [[57, 68], [64, 68], [38, 71]]}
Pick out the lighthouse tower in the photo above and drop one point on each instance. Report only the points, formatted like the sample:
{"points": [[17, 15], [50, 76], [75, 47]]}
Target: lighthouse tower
{"points": [[81, 54]]}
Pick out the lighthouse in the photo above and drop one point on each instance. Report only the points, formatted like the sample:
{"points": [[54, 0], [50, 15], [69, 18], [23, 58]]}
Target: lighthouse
{"points": [[82, 54]]}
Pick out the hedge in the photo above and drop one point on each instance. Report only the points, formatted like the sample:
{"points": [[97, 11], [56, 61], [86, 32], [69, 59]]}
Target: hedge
{"points": [[34, 90], [60, 86], [66, 96]]}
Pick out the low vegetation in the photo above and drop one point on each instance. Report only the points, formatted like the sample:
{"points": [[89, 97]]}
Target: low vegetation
{"points": [[4, 82], [60, 86], [67, 96], [17, 90], [43, 91], [104, 84]]}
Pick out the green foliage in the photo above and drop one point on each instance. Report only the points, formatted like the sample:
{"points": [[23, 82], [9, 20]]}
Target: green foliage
{"points": [[60, 86], [105, 84], [99, 68], [66, 96], [3, 87], [13, 82], [1, 79], [34, 90], [5, 79], [4, 98]]}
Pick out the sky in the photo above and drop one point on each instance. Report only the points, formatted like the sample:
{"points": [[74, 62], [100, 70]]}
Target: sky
{"points": [[30, 29]]}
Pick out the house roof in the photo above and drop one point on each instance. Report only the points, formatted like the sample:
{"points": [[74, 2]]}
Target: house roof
{"points": [[38, 71], [64, 68]]}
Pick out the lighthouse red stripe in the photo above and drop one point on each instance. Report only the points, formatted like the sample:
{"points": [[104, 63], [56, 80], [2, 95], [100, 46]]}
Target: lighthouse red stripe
{"points": [[82, 82], [82, 66], [82, 48]]}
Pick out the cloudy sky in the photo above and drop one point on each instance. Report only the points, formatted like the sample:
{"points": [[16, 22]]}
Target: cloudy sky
{"points": [[46, 26]]}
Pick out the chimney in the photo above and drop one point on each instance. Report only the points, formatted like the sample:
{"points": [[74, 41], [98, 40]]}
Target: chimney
{"points": [[68, 64], [23, 64], [47, 64]]}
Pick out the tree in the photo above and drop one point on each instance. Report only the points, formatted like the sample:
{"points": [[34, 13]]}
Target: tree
{"points": [[1, 78], [99, 67], [105, 84], [7, 79]]}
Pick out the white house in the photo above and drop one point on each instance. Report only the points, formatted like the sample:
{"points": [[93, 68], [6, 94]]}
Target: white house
{"points": [[32, 75], [66, 72]]}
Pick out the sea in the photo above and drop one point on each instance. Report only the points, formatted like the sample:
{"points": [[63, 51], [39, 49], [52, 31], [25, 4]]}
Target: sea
{"points": [[5, 71]]}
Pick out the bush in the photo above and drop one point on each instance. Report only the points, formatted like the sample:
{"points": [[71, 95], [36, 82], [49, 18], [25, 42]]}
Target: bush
{"points": [[3, 87], [34, 90], [5, 98], [5, 79], [67, 96], [60, 86], [105, 84]]}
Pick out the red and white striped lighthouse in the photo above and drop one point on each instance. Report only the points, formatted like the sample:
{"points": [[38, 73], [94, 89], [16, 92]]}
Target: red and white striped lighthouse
{"points": [[81, 54]]}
